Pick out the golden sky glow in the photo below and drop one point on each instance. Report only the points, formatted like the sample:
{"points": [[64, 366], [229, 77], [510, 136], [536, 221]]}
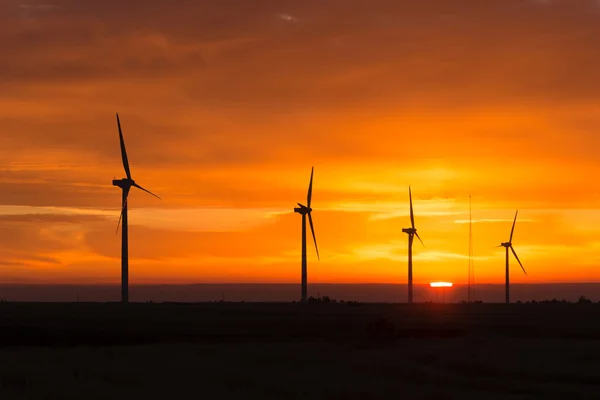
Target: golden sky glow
{"points": [[225, 107]]}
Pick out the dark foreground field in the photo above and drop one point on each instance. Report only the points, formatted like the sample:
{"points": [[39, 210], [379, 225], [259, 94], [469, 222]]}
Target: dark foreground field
{"points": [[289, 351]]}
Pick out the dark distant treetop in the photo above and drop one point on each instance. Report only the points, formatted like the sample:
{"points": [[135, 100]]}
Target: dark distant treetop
{"points": [[584, 300]]}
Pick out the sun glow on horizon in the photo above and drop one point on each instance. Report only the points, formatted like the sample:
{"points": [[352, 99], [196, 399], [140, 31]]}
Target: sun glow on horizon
{"points": [[440, 284]]}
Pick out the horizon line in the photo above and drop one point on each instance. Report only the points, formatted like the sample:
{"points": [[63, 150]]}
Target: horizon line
{"points": [[286, 283]]}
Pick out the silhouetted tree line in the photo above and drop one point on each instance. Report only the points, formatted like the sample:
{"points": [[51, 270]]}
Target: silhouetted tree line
{"points": [[581, 300], [328, 300]]}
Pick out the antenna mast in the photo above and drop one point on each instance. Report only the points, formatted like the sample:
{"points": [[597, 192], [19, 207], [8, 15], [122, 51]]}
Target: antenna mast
{"points": [[470, 292]]}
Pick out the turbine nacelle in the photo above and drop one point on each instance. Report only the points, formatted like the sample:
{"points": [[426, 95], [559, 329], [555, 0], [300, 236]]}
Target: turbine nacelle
{"points": [[302, 209], [506, 244], [123, 183], [410, 231]]}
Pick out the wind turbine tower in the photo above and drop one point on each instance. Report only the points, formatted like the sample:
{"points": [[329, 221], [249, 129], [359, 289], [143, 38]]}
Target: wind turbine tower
{"points": [[125, 184], [305, 210], [508, 245], [411, 232]]}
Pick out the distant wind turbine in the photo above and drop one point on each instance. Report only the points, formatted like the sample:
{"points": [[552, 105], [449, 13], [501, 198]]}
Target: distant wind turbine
{"points": [[125, 184], [304, 211], [508, 245], [412, 232]]}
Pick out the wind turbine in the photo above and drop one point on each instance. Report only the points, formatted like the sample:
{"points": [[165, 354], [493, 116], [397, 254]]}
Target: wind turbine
{"points": [[508, 245], [125, 184], [412, 232], [305, 210]]}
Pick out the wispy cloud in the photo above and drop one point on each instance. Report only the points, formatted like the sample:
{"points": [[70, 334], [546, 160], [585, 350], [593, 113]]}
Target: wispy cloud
{"points": [[17, 210], [288, 17], [41, 7], [389, 251], [438, 256], [199, 219], [34, 12], [387, 210], [491, 220]]}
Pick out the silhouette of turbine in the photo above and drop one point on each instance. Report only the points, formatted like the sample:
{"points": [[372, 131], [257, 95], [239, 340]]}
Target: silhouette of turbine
{"points": [[412, 232], [305, 210], [508, 245], [125, 184]]}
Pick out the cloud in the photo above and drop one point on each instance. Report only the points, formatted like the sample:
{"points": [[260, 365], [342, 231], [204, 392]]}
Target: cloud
{"points": [[226, 106], [281, 66], [489, 220], [288, 17], [47, 219], [42, 7]]}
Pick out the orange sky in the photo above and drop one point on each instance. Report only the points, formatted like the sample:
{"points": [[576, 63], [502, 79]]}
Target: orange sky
{"points": [[226, 107]]}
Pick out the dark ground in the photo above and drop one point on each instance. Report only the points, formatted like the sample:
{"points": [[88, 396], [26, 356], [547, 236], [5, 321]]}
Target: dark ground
{"points": [[289, 351]]}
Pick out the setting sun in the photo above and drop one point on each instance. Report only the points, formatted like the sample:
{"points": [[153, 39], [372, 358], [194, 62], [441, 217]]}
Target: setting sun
{"points": [[440, 284]]}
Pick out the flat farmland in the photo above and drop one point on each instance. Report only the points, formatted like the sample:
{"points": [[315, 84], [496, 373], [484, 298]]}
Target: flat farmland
{"points": [[287, 350]]}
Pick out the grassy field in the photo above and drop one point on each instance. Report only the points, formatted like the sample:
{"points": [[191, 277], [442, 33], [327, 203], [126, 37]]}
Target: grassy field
{"points": [[289, 351]]}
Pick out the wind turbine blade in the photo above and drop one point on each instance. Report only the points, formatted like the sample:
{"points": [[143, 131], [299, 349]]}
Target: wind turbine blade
{"points": [[123, 208], [123, 151], [312, 229], [119, 223], [417, 235], [309, 196], [517, 257], [147, 191], [412, 215], [513, 227], [120, 216]]}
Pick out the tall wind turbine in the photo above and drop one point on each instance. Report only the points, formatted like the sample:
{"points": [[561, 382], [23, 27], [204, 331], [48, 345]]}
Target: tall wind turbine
{"points": [[305, 210], [412, 232], [125, 184], [508, 245]]}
